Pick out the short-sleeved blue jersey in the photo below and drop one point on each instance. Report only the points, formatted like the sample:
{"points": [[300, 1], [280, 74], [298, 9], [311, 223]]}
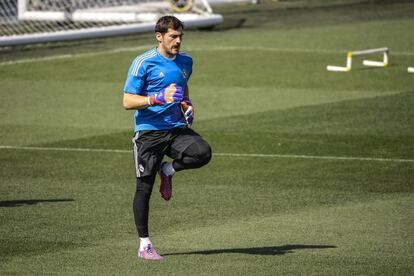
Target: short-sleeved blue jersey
{"points": [[148, 74]]}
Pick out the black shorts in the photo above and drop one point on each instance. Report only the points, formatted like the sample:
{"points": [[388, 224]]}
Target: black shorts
{"points": [[150, 147]]}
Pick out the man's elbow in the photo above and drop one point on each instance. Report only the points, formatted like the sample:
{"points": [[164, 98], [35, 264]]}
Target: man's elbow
{"points": [[126, 103]]}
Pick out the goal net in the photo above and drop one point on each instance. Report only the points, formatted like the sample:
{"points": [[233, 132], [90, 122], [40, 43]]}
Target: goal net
{"points": [[34, 21]]}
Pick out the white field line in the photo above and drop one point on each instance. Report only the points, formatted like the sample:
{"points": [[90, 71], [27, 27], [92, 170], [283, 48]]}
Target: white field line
{"points": [[224, 154], [66, 56], [212, 48]]}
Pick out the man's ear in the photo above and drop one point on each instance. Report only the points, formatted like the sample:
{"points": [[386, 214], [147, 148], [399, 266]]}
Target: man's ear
{"points": [[158, 36]]}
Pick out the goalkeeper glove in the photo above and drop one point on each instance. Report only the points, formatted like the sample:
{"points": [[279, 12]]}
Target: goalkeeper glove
{"points": [[188, 110], [170, 94]]}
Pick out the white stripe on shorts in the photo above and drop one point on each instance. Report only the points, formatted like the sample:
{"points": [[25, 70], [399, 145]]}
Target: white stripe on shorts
{"points": [[135, 152]]}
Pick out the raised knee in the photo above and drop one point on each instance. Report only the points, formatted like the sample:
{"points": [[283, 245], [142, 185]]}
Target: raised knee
{"points": [[201, 154], [205, 156]]}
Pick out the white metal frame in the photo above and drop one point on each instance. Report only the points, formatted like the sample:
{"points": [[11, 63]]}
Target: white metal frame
{"points": [[102, 32], [134, 22]]}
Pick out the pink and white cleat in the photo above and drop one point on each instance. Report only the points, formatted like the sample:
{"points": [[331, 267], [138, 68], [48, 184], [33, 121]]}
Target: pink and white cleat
{"points": [[166, 184], [149, 253]]}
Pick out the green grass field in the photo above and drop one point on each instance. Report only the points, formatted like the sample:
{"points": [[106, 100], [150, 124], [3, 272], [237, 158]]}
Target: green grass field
{"points": [[312, 171]]}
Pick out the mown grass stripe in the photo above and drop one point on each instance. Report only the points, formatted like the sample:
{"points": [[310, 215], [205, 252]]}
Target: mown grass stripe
{"points": [[213, 48], [226, 154]]}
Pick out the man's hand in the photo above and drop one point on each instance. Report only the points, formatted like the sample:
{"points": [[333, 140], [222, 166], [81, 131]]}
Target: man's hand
{"points": [[171, 94], [188, 110]]}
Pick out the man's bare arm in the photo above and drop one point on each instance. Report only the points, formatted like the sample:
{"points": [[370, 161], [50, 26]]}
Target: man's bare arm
{"points": [[132, 101]]}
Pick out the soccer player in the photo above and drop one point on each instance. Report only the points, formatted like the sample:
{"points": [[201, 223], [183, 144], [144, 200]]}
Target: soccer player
{"points": [[156, 88]]}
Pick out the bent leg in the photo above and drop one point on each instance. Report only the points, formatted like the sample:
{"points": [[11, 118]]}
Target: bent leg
{"points": [[189, 150], [194, 156]]}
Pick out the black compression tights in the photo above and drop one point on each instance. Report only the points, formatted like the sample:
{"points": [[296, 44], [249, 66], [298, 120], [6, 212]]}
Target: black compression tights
{"points": [[195, 156], [141, 204]]}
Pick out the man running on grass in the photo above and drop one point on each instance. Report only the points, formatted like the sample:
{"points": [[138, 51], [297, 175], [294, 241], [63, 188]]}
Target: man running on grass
{"points": [[156, 87]]}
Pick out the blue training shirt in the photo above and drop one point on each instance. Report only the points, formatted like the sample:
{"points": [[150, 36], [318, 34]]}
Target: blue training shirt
{"points": [[148, 74]]}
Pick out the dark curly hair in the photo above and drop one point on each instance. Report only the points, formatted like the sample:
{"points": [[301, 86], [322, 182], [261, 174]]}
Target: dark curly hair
{"points": [[168, 22]]}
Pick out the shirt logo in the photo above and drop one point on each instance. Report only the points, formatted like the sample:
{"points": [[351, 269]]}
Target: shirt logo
{"points": [[184, 73], [161, 75]]}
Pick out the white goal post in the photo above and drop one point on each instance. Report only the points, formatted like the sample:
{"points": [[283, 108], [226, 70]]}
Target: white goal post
{"points": [[34, 21]]}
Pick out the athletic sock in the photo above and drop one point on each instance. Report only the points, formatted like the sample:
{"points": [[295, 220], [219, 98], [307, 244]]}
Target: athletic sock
{"points": [[168, 169], [144, 242]]}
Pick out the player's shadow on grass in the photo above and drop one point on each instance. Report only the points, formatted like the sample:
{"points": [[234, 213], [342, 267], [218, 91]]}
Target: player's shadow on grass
{"points": [[266, 251], [24, 202]]}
